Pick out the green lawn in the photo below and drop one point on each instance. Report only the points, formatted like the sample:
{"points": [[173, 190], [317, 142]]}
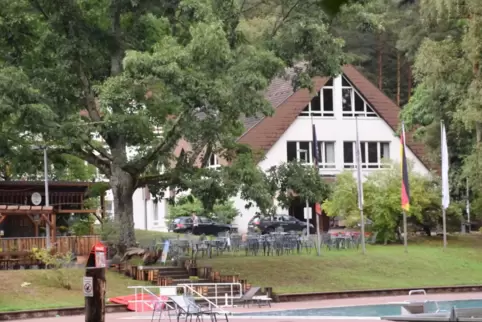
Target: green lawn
{"points": [[45, 292], [426, 264]]}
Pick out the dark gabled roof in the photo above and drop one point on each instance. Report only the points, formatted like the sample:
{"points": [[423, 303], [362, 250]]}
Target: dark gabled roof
{"points": [[288, 105]]}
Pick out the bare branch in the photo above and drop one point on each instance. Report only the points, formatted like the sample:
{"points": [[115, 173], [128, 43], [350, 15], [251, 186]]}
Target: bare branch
{"points": [[164, 144], [279, 22]]}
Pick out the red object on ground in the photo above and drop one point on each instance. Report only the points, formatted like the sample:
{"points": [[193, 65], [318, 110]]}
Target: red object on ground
{"points": [[139, 302]]}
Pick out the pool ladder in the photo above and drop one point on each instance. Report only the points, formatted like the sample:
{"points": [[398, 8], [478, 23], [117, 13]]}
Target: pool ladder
{"points": [[423, 292]]}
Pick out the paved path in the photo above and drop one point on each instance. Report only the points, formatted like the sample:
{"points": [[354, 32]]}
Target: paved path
{"points": [[131, 317]]}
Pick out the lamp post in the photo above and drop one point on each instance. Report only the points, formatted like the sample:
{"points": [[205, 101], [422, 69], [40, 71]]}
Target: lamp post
{"points": [[46, 182]]}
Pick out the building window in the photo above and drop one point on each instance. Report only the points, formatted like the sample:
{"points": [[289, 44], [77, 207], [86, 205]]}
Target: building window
{"points": [[353, 103], [373, 154], [109, 208], [213, 161], [155, 213], [322, 104], [302, 151]]}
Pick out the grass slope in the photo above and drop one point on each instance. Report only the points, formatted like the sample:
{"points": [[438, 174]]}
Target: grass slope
{"points": [[45, 292], [426, 264]]}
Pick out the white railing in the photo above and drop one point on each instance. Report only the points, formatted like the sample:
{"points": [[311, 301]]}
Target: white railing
{"points": [[235, 292], [415, 292], [149, 295], [155, 292]]}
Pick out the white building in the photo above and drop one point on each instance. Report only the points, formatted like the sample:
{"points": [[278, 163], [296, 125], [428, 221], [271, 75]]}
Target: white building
{"points": [[287, 135]]}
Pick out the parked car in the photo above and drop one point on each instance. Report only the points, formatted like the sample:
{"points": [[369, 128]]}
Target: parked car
{"points": [[206, 226], [269, 224]]}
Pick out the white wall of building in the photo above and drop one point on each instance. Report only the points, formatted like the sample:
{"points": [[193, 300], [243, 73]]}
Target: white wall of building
{"points": [[335, 129], [147, 214]]}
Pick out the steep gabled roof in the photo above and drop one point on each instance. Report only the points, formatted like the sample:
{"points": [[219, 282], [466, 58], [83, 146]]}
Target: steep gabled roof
{"points": [[267, 131]]}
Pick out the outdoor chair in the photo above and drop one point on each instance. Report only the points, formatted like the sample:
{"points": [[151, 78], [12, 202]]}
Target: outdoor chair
{"points": [[250, 297], [161, 303], [187, 306]]}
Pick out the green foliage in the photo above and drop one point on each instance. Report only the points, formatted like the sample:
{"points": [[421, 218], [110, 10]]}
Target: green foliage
{"points": [[186, 205], [382, 205], [109, 231], [55, 262], [82, 224], [343, 200], [123, 69], [299, 181]]}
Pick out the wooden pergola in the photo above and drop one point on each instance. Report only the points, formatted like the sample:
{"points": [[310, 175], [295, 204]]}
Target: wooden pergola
{"points": [[20, 217], [36, 214]]}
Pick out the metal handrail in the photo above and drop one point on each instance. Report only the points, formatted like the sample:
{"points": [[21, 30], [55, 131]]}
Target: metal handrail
{"points": [[148, 289], [413, 292], [217, 296]]}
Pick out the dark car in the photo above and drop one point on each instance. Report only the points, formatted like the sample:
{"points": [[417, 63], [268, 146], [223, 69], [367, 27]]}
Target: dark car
{"points": [[269, 224], [206, 226]]}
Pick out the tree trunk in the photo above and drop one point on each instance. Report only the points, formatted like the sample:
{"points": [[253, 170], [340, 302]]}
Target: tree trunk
{"points": [[409, 85], [380, 60], [123, 187], [398, 77]]}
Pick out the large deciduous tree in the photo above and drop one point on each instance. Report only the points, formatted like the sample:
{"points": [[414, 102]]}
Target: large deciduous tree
{"points": [[123, 69]]}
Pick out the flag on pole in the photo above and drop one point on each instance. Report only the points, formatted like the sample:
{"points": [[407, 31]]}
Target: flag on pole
{"points": [[405, 185], [316, 159], [445, 170]]}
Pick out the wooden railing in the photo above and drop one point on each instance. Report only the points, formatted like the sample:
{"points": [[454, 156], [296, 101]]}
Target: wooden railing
{"points": [[80, 245]]}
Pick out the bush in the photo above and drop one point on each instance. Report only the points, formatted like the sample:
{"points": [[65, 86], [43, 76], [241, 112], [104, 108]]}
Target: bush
{"points": [[55, 262]]}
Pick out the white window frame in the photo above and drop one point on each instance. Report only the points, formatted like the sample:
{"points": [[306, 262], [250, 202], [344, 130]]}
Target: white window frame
{"points": [[322, 164], [380, 164], [353, 113], [215, 164], [155, 213], [321, 113]]}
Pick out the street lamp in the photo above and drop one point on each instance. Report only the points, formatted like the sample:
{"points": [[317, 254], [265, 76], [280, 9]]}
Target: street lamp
{"points": [[46, 182]]}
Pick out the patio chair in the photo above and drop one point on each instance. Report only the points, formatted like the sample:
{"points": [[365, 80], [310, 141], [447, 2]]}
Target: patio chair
{"points": [[189, 308], [161, 305], [250, 297]]}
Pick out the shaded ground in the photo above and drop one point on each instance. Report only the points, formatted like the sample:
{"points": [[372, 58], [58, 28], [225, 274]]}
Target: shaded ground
{"points": [[426, 264], [46, 290]]}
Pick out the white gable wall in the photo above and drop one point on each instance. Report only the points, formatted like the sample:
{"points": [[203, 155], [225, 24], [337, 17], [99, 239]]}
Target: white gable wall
{"points": [[335, 129]]}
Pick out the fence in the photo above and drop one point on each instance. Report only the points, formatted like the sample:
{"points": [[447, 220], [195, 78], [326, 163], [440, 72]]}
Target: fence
{"points": [[80, 245]]}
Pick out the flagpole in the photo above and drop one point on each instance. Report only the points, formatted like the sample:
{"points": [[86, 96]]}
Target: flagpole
{"points": [[445, 192], [318, 235], [360, 187], [405, 237], [468, 205]]}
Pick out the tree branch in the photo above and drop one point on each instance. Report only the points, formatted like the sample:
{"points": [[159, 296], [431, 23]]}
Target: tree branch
{"points": [[94, 113], [280, 22], [170, 139], [102, 164], [117, 52]]}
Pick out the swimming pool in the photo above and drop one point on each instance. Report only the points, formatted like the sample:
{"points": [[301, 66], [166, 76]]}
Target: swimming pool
{"points": [[368, 310]]}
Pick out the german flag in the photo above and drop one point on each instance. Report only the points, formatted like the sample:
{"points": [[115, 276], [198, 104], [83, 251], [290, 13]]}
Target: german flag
{"points": [[405, 185]]}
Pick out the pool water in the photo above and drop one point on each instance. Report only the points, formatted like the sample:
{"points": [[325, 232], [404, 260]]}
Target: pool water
{"points": [[369, 310]]}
